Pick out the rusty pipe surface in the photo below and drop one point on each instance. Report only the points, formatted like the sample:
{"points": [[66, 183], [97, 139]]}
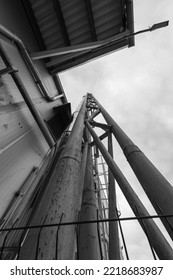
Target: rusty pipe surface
{"points": [[59, 202], [157, 188], [157, 239], [82, 172], [29, 63]]}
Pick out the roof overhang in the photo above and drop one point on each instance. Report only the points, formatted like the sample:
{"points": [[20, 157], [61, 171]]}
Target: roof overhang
{"points": [[76, 31]]}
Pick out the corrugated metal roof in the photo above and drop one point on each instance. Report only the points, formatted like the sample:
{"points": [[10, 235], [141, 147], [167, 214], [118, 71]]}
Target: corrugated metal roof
{"points": [[74, 22], [107, 16], [48, 23], [75, 17]]}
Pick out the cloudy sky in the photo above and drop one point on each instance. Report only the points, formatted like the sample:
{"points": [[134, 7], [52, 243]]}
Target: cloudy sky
{"points": [[135, 85]]}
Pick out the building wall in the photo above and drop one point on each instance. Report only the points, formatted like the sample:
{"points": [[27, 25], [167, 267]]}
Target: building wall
{"points": [[22, 145]]}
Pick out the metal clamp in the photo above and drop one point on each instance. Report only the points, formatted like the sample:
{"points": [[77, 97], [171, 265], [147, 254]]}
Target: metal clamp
{"points": [[8, 70]]}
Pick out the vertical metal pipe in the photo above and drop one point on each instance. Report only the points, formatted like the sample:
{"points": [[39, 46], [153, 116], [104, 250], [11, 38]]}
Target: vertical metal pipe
{"points": [[158, 241], [60, 89], [114, 247], [123, 238], [88, 233], [101, 241], [157, 188], [60, 198], [152, 250], [82, 173]]}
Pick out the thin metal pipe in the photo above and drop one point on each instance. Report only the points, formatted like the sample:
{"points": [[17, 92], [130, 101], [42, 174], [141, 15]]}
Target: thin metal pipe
{"points": [[71, 61], [88, 233], [29, 63], [101, 137], [158, 241], [99, 237], [76, 48], [114, 247], [22, 238], [60, 89], [34, 111], [122, 236], [82, 173], [157, 188], [152, 250]]}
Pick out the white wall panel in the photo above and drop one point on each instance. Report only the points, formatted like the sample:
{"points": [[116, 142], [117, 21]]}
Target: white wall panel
{"points": [[22, 145]]}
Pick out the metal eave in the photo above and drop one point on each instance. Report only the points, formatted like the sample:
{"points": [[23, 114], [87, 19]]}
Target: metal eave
{"points": [[84, 57], [77, 48], [99, 28]]}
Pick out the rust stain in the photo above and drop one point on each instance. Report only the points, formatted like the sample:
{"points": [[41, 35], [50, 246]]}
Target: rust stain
{"points": [[5, 125]]}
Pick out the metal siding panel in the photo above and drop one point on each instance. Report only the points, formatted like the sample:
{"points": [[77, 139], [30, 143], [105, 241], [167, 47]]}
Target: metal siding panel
{"points": [[10, 88], [15, 123], [18, 63], [9, 93], [16, 163], [22, 145]]}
